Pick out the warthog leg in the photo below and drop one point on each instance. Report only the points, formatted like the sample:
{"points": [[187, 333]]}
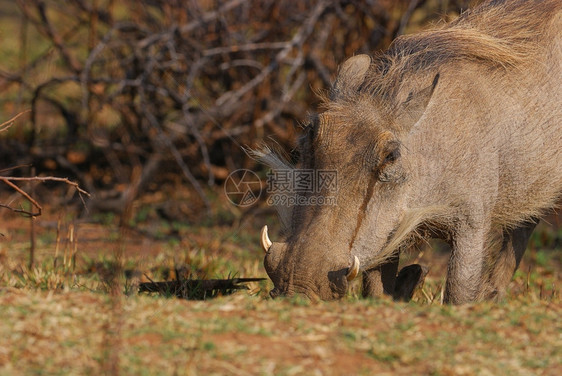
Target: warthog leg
{"points": [[381, 279], [506, 261], [409, 278], [466, 264]]}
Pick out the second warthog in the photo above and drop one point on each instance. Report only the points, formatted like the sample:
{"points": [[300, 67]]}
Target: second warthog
{"points": [[453, 132]]}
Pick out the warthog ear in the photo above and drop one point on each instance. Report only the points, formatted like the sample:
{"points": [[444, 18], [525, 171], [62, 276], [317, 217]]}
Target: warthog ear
{"points": [[414, 106], [351, 75]]}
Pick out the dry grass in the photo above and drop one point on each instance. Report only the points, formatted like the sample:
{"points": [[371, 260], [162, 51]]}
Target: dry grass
{"points": [[67, 333], [59, 318]]}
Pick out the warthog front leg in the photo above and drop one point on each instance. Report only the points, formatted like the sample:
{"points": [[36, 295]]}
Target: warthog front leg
{"points": [[506, 261], [381, 279], [409, 278], [465, 268]]}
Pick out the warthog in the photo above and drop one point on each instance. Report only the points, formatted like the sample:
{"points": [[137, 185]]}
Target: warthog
{"points": [[453, 133]]}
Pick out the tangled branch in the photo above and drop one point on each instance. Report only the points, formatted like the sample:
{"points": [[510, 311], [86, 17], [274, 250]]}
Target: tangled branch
{"points": [[177, 87]]}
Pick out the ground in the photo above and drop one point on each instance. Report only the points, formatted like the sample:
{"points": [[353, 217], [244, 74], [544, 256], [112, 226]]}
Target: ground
{"points": [[63, 317]]}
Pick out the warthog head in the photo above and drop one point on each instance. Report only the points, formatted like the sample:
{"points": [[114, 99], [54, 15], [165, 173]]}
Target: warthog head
{"points": [[360, 137]]}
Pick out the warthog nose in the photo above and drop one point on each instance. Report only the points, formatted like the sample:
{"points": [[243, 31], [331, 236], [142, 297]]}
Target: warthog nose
{"points": [[274, 293]]}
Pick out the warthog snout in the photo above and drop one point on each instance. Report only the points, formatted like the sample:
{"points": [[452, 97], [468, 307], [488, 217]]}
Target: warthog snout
{"points": [[314, 280]]}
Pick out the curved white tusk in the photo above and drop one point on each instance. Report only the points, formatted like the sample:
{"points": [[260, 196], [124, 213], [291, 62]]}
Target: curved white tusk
{"points": [[353, 269], [264, 240]]}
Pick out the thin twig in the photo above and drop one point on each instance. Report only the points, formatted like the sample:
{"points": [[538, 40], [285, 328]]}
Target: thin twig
{"points": [[47, 178], [8, 180], [24, 194], [13, 168], [8, 124]]}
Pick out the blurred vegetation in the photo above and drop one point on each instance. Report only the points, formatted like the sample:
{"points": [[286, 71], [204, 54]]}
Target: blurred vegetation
{"points": [[126, 96]]}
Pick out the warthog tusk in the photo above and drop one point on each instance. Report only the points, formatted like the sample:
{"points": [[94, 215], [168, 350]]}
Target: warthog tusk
{"points": [[353, 269], [265, 242]]}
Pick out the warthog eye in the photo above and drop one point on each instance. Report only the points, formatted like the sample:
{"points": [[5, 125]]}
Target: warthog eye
{"points": [[388, 170], [392, 156]]}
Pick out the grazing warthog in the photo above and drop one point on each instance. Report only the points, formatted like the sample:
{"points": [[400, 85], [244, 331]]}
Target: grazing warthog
{"points": [[453, 133]]}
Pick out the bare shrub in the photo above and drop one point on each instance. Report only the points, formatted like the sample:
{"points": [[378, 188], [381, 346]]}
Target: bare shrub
{"points": [[123, 92]]}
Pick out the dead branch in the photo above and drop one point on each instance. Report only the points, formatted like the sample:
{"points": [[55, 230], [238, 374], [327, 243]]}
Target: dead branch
{"points": [[188, 82], [8, 124], [47, 178], [24, 194], [46, 27], [8, 180], [12, 168]]}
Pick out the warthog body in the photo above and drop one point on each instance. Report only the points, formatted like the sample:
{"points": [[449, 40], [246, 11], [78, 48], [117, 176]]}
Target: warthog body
{"points": [[453, 133]]}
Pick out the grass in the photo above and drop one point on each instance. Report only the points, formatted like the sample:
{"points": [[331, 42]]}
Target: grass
{"points": [[67, 333], [63, 318]]}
